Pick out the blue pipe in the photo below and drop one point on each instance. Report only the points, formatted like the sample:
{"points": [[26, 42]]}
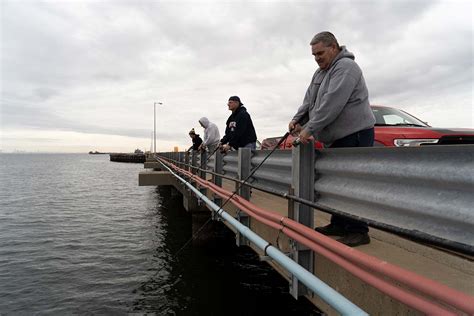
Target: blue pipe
{"points": [[324, 291]]}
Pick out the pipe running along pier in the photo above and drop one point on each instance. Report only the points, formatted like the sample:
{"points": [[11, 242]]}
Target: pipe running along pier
{"points": [[417, 201]]}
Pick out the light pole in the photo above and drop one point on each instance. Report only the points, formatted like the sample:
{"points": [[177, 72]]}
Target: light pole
{"points": [[151, 144], [154, 125]]}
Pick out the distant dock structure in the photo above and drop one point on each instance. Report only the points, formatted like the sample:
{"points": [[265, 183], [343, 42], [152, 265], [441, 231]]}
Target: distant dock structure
{"points": [[137, 157], [97, 153]]}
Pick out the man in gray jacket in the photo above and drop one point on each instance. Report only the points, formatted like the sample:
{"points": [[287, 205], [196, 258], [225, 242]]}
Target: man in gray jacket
{"points": [[211, 134], [336, 112]]}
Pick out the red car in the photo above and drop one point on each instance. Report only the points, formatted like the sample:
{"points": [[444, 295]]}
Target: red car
{"points": [[394, 127]]}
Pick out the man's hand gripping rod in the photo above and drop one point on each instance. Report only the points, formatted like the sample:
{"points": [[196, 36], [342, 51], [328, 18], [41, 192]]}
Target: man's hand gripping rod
{"points": [[240, 184]]}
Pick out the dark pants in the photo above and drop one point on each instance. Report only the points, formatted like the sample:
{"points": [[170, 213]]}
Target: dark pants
{"points": [[363, 138]]}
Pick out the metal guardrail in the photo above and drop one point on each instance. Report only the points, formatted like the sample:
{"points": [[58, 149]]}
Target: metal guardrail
{"points": [[230, 165], [425, 191], [211, 162], [275, 172], [336, 300], [428, 189]]}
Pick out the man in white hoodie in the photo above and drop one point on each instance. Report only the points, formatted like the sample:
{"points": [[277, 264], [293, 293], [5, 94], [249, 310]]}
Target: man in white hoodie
{"points": [[211, 134]]}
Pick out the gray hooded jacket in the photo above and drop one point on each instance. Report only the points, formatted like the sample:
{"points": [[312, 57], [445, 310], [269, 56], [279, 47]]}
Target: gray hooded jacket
{"points": [[211, 132], [336, 103]]}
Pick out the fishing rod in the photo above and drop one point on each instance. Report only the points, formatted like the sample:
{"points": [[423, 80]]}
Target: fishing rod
{"points": [[200, 228], [411, 234], [210, 156], [239, 186], [242, 183]]}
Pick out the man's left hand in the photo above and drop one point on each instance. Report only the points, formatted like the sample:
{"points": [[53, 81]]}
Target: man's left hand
{"points": [[225, 148], [304, 136]]}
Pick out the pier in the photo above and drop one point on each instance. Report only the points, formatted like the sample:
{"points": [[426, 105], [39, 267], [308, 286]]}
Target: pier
{"points": [[417, 202]]}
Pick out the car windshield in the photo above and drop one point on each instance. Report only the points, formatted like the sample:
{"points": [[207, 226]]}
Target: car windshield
{"points": [[393, 117]]}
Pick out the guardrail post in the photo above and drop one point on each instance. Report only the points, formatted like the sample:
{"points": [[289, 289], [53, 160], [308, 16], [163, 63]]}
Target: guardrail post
{"points": [[193, 164], [183, 160], [243, 171], [186, 161], [203, 174], [180, 159], [218, 164], [302, 172], [193, 161], [203, 166]]}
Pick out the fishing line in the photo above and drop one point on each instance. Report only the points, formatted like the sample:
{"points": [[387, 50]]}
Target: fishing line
{"points": [[239, 186], [195, 235]]}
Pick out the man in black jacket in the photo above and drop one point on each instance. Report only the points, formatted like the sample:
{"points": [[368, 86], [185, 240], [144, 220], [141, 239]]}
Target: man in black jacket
{"points": [[239, 131]]}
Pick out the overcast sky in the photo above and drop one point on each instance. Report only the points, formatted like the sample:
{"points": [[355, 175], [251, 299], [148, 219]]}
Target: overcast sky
{"points": [[84, 75]]}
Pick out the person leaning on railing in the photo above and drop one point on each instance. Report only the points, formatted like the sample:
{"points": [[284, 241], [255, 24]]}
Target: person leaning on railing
{"points": [[239, 131], [211, 134], [336, 112], [197, 141]]}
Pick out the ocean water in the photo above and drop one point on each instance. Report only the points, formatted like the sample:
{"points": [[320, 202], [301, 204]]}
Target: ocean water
{"points": [[78, 236]]}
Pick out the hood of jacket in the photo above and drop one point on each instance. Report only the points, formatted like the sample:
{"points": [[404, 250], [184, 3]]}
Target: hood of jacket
{"points": [[204, 121], [238, 110], [344, 53]]}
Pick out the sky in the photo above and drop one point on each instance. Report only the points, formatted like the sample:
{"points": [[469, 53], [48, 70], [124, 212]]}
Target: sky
{"points": [[85, 75]]}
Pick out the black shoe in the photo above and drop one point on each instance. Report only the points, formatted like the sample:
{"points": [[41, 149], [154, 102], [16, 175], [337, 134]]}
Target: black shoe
{"points": [[331, 230], [355, 239]]}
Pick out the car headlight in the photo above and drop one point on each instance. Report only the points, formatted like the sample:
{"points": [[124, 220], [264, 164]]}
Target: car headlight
{"points": [[404, 142]]}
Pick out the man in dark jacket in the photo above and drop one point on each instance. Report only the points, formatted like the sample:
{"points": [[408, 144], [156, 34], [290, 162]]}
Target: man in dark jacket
{"points": [[239, 131], [196, 140]]}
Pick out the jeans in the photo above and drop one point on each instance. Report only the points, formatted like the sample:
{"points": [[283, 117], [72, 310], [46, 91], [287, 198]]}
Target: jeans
{"points": [[251, 145], [364, 138], [211, 149]]}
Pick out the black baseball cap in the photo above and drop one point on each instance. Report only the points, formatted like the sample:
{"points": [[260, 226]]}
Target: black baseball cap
{"points": [[235, 98]]}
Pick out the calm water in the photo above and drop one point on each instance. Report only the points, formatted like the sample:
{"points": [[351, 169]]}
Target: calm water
{"points": [[77, 235]]}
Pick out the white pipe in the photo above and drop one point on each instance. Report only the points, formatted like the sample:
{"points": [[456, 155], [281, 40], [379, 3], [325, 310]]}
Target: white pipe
{"points": [[324, 291]]}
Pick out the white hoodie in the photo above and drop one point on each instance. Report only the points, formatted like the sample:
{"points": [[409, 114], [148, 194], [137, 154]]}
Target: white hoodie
{"points": [[211, 132]]}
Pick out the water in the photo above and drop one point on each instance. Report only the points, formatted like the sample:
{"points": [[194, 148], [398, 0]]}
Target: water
{"points": [[77, 235]]}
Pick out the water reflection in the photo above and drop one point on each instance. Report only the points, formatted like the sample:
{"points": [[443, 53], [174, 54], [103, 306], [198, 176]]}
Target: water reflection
{"points": [[213, 279]]}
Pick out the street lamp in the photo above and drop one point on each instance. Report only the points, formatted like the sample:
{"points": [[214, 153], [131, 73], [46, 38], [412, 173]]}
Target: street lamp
{"points": [[151, 143], [154, 125]]}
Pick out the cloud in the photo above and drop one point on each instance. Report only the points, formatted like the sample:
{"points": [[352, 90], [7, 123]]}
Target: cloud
{"points": [[97, 67]]}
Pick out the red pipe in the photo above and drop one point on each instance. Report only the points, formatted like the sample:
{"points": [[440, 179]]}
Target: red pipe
{"points": [[427, 286], [436, 290], [399, 294], [407, 298]]}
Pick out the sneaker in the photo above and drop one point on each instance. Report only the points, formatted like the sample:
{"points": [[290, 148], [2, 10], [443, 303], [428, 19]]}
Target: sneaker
{"points": [[355, 239], [331, 230]]}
